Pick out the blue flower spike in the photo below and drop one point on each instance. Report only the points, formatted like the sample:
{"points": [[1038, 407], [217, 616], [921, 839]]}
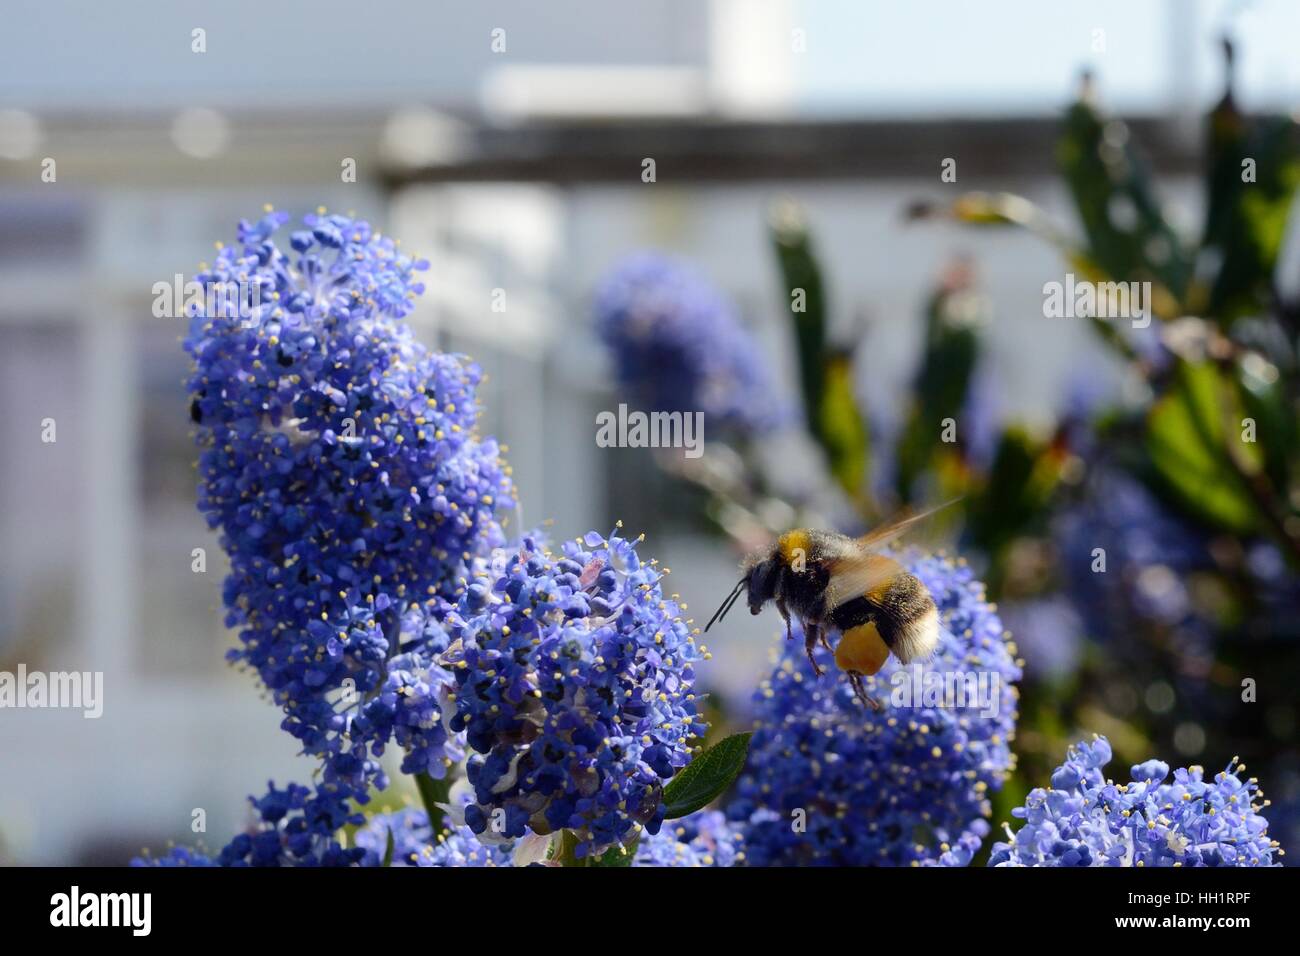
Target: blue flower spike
{"points": [[340, 462], [829, 782], [678, 345]]}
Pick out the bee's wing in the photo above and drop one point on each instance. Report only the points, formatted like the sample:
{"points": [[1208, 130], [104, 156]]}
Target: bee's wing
{"points": [[891, 530], [857, 575]]}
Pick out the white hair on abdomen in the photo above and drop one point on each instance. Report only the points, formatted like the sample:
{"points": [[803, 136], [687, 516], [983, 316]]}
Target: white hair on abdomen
{"points": [[919, 638]]}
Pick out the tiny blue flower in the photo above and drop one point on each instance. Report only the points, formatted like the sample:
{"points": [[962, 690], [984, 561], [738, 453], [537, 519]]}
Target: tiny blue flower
{"points": [[296, 826], [414, 845], [574, 689], [1086, 820], [705, 838]]}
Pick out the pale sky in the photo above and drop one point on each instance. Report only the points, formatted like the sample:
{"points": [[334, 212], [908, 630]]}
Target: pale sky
{"points": [[1025, 55], [863, 57]]}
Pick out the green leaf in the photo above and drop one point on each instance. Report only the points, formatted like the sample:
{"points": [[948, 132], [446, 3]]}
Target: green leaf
{"points": [[618, 856], [1253, 172], [1128, 236], [805, 298], [978, 208], [564, 851], [1185, 440], [947, 365], [825, 373], [388, 849], [1247, 221], [842, 431], [432, 793], [706, 777], [1264, 398], [1022, 479]]}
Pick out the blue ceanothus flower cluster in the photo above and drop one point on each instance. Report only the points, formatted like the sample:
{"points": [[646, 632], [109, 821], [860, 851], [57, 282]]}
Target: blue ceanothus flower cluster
{"points": [[679, 346], [296, 826], [378, 600], [1083, 819], [831, 782], [574, 677], [340, 463], [703, 839]]}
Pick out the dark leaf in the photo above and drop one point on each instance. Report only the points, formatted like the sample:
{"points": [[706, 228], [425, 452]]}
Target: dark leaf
{"points": [[1253, 172], [942, 383], [1185, 441], [706, 777], [432, 793], [825, 374], [1128, 236], [805, 299], [842, 431], [1024, 474]]}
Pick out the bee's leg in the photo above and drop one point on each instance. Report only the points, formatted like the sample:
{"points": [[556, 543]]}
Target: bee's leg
{"points": [[812, 634], [817, 612], [785, 616], [855, 681]]}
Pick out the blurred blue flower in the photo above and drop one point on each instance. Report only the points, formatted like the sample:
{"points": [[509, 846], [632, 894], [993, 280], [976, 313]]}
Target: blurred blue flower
{"points": [[176, 856], [1284, 799], [574, 688], [413, 844], [339, 462], [1277, 588], [705, 838], [830, 782], [1048, 633], [1148, 555], [1083, 819], [679, 346]]}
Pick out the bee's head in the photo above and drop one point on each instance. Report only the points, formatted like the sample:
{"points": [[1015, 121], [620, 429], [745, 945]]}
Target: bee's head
{"points": [[760, 579], [758, 582]]}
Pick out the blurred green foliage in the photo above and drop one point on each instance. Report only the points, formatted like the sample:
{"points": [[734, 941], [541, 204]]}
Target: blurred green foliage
{"points": [[1213, 438], [1215, 441], [825, 370]]}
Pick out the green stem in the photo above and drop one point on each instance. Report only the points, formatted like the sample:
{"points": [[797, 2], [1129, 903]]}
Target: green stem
{"points": [[565, 851], [432, 793]]}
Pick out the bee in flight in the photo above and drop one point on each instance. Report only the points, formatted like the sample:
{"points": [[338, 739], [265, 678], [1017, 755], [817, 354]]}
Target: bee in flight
{"points": [[830, 581]]}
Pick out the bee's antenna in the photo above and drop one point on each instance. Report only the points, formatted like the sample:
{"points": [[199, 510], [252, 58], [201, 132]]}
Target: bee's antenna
{"points": [[731, 599]]}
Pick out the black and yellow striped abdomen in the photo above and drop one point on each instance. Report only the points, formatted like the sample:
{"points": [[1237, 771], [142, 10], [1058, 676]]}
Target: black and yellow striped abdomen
{"points": [[903, 612]]}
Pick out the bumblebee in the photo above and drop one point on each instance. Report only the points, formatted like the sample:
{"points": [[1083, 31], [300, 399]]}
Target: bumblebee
{"points": [[833, 582]]}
